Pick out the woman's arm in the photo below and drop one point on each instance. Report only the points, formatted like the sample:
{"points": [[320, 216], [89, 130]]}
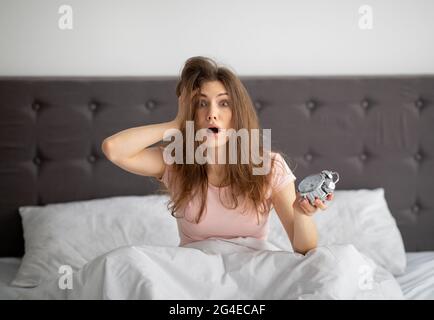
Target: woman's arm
{"points": [[296, 218], [306, 235], [129, 149], [130, 142]]}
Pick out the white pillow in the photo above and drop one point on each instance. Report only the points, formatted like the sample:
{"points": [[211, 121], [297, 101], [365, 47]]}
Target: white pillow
{"points": [[358, 217], [76, 232]]}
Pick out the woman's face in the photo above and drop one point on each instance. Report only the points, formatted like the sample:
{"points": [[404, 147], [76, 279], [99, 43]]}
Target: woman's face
{"points": [[214, 110]]}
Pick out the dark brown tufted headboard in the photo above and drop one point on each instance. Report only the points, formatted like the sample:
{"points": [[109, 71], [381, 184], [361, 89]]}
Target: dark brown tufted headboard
{"points": [[375, 131]]}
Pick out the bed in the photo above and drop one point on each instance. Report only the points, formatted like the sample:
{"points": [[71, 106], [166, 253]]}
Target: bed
{"points": [[376, 131], [417, 283]]}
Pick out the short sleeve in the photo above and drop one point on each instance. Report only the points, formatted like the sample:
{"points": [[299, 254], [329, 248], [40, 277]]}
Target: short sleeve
{"points": [[281, 173], [165, 177]]}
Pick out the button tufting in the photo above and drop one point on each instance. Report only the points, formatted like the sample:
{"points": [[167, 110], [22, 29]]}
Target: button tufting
{"points": [[308, 156], [150, 105], [415, 208], [37, 161], [418, 156], [93, 106], [258, 105], [363, 156], [310, 104], [91, 158], [419, 103], [36, 106], [365, 104]]}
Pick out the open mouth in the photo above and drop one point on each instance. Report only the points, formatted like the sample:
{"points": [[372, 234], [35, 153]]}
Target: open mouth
{"points": [[214, 130]]}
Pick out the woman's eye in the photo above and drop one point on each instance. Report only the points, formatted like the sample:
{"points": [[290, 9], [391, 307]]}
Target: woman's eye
{"points": [[204, 103]]}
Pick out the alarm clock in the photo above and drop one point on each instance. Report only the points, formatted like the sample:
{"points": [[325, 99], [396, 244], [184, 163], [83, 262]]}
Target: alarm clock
{"points": [[318, 185]]}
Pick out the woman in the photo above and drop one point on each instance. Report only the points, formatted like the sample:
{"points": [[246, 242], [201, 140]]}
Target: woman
{"points": [[215, 199]]}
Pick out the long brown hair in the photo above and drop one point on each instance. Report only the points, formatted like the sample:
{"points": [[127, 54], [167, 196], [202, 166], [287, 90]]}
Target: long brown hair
{"points": [[244, 185]]}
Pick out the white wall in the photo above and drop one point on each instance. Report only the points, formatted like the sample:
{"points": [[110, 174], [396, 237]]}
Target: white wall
{"points": [[148, 38]]}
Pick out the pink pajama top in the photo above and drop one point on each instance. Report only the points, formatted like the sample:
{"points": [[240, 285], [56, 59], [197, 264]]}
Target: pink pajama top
{"points": [[219, 221]]}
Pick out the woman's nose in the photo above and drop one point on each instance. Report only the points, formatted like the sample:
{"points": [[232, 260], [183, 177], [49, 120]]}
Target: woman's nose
{"points": [[212, 113]]}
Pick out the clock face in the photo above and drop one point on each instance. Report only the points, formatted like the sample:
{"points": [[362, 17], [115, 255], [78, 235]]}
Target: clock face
{"points": [[310, 183]]}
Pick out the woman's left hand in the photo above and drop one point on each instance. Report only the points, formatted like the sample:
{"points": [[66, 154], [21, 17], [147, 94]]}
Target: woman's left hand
{"points": [[303, 206]]}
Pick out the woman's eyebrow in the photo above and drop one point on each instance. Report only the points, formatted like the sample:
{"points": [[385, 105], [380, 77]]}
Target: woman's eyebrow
{"points": [[220, 94]]}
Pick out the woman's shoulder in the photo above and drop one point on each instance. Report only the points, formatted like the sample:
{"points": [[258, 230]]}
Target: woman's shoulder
{"points": [[278, 158], [275, 154], [280, 168]]}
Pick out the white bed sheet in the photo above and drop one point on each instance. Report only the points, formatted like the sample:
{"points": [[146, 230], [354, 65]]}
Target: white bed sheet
{"points": [[8, 269], [417, 283]]}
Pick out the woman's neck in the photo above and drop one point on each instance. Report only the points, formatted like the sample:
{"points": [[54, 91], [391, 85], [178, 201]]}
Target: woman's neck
{"points": [[215, 170]]}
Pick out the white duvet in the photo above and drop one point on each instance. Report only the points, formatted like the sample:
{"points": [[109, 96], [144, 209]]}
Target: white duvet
{"points": [[239, 268]]}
